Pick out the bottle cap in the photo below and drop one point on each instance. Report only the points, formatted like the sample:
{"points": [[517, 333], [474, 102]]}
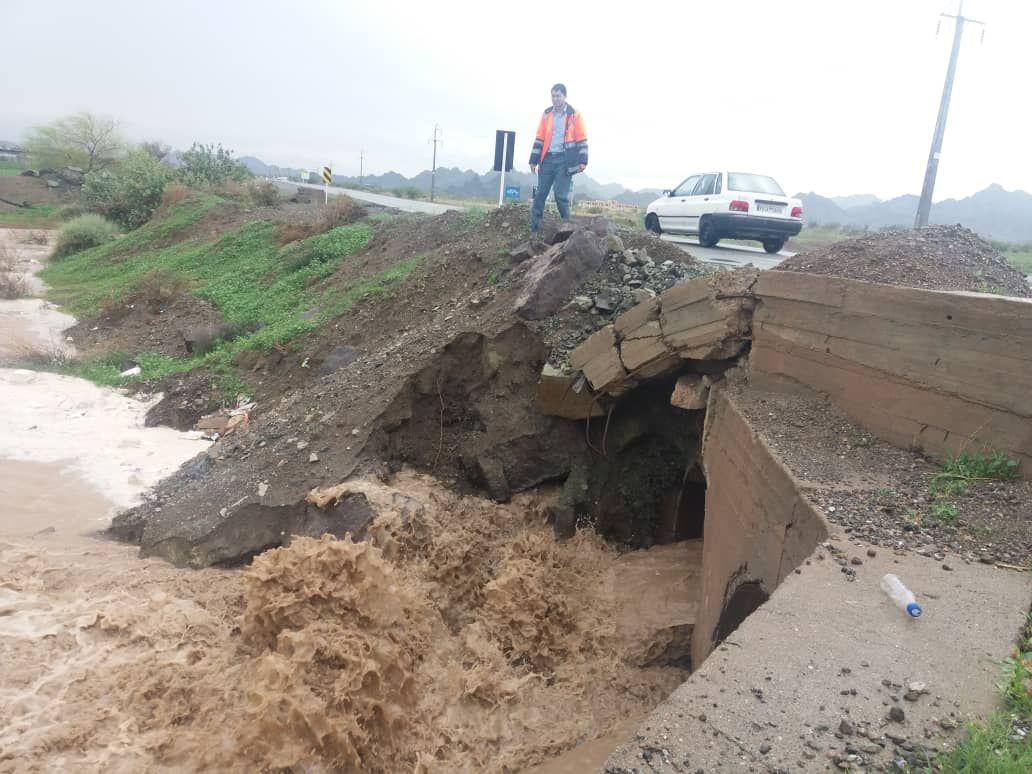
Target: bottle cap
{"points": [[914, 610]]}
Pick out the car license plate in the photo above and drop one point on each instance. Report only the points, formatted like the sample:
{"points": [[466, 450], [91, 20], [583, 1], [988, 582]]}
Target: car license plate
{"points": [[771, 208]]}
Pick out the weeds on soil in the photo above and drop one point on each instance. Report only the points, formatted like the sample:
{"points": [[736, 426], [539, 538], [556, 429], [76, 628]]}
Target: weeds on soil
{"points": [[966, 468], [12, 284], [945, 512], [1003, 743], [473, 217]]}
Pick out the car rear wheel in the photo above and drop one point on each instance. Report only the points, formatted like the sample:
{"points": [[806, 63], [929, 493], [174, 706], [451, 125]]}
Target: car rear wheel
{"points": [[707, 234], [652, 223], [773, 246]]}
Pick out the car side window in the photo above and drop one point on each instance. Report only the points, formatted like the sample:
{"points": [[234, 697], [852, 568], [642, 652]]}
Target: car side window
{"points": [[686, 188], [720, 180], [705, 185]]}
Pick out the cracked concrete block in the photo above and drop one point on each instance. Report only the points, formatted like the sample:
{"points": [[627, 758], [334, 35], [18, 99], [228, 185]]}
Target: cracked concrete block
{"points": [[643, 346], [599, 359], [557, 397], [709, 317]]}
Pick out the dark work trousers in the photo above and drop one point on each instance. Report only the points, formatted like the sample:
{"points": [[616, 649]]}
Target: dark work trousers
{"points": [[552, 174]]}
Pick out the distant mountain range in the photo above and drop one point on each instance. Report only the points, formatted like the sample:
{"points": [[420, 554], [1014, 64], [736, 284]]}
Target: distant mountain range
{"points": [[993, 213], [467, 184]]}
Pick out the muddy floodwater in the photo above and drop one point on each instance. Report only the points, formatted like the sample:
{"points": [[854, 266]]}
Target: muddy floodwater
{"points": [[460, 637]]}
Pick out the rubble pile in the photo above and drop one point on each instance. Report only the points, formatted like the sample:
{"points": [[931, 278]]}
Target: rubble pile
{"points": [[602, 287], [933, 258]]}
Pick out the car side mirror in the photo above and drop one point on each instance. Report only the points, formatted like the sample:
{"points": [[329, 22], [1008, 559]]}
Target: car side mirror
{"points": [[666, 192]]}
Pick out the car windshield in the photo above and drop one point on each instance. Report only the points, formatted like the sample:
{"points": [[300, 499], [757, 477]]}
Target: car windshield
{"points": [[743, 181]]}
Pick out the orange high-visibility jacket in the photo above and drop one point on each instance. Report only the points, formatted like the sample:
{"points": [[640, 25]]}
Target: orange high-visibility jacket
{"points": [[575, 138]]}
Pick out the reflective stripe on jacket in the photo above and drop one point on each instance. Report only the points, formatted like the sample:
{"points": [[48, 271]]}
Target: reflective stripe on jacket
{"points": [[575, 138]]}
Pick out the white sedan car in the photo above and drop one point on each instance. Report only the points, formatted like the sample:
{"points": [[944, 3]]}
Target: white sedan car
{"points": [[731, 205]]}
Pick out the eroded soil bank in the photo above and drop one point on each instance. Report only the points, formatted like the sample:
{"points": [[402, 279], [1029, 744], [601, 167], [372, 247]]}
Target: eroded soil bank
{"points": [[460, 637]]}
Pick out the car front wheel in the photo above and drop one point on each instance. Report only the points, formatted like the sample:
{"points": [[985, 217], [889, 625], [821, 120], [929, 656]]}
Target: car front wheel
{"points": [[652, 223], [708, 234], [773, 246]]}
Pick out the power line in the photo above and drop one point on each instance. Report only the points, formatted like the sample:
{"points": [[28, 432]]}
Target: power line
{"points": [[924, 206]]}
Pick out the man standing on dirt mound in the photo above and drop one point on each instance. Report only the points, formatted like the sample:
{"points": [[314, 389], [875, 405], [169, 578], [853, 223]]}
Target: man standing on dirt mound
{"points": [[560, 152]]}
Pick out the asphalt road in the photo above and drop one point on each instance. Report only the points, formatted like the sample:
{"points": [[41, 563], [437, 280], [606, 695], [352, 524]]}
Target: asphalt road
{"points": [[393, 202], [729, 255], [726, 254]]}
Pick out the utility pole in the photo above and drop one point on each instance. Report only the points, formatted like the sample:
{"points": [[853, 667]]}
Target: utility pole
{"points": [[924, 207], [433, 169], [361, 160]]}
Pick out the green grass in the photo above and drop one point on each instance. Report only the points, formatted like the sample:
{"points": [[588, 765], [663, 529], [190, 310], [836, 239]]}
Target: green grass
{"points": [[36, 216], [474, 216], [818, 236], [9, 167], [944, 512], [1003, 743], [1020, 259], [966, 468], [250, 280]]}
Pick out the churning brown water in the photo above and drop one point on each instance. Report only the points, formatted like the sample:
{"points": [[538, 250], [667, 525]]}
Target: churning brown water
{"points": [[462, 638]]}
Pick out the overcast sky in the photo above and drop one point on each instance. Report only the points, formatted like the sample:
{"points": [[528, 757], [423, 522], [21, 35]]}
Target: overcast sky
{"points": [[833, 96]]}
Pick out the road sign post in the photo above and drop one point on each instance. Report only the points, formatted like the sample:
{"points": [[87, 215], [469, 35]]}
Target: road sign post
{"points": [[327, 176], [505, 146]]}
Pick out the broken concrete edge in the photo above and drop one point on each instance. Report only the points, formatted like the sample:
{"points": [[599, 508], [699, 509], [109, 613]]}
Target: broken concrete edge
{"points": [[348, 508], [566, 395], [706, 318]]}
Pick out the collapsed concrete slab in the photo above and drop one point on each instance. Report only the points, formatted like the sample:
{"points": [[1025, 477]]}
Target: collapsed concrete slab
{"points": [[599, 359], [708, 318]]}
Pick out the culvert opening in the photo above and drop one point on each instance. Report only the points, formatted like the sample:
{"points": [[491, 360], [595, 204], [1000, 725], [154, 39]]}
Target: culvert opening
{"points": [[638, 482], [633, 472]]}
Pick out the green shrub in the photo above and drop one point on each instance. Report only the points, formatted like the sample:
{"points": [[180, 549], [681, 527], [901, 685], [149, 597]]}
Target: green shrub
{"points": [[209, 165], [131, 192], [263, 193], [84, 232], [408, 192], [71, 210]]}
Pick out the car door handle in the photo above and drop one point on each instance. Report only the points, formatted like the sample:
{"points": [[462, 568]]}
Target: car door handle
{"points": [[706, 199]]}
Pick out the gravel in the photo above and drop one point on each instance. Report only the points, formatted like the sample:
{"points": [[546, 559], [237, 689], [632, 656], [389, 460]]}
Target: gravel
{"points": [[935, 258]]}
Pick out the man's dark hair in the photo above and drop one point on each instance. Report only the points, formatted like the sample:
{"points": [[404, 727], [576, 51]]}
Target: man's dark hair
{"points": [[560, 87]]}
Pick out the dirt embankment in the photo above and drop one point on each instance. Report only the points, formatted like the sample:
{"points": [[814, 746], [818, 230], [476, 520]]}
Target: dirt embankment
{"points": [[439, 373], [935, 258]]}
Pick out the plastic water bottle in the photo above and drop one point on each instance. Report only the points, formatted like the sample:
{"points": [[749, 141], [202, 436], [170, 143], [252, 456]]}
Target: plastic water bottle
{"points": [[901, 595]]}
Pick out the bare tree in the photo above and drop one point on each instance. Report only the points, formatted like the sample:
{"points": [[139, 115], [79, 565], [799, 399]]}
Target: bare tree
{"points": [[156, 148], [82, 140]]}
